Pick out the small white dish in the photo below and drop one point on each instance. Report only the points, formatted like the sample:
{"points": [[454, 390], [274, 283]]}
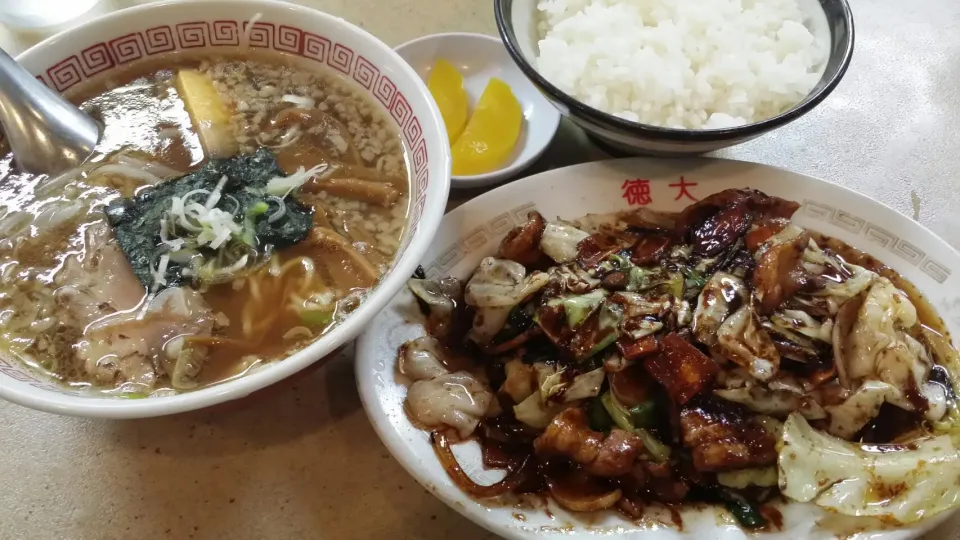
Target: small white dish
{"points": [[479, 58], [474, 231]]}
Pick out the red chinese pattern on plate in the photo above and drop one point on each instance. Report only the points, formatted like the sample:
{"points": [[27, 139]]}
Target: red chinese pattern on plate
{"points": [[139, 45]]}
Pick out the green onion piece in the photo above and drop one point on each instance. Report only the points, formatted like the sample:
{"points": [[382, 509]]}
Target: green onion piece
{"points": [[638, 279], [696, 279], [657, 450], [619, 261], [248, 236], [675, 284], [746, 512], [259, 208], [316, 318], [644, 414], [621, 417], [608, 321], [617, 413], [642, 279], [597, 415], [607, 341]]}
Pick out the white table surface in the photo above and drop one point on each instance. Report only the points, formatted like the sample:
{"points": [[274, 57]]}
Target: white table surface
{"points": [[303, 462]]}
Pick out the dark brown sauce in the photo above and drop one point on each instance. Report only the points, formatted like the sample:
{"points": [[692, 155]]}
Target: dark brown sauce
{"points": [[773, 515], [504, 440], [925, 311], [675, 516]]}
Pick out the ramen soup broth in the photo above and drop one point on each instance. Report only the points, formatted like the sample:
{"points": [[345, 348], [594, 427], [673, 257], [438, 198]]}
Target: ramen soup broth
{"points": [[297, 253]]}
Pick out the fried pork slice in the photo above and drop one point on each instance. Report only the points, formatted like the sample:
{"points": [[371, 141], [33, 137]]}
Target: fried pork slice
{"points": [[658, 482], [569, 435], [681, 368], [717, 221], [522, 244], [725, 436], [780, 273]]}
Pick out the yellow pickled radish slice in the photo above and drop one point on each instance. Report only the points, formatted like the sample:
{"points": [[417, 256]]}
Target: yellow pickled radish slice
{"points": [[446, 86], [491, 133], [209, 114]]}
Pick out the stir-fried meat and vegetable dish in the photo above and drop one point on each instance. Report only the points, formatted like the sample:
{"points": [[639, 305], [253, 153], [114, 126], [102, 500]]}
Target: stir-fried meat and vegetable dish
{"points": [[720, 354]]}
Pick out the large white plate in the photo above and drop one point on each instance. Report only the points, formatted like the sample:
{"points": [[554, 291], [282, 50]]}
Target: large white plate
{"points": [[474, 230]]}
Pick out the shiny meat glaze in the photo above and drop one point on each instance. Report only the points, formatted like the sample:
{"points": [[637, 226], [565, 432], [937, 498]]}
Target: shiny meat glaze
{"points": [[636, 358]]}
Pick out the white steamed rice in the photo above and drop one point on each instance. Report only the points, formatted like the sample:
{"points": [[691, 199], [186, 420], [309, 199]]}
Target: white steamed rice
{"points": [[694, 64]]}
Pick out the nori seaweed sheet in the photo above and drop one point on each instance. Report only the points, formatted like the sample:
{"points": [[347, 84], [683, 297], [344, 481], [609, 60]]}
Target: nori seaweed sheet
{"points": [[136, 220]]}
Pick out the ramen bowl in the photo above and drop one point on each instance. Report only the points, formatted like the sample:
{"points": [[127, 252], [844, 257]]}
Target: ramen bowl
{"points": [[103, 48]]}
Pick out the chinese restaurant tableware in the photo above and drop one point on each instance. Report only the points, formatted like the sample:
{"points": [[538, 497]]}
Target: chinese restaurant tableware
{"points": [[100, 48], [478, 58], [47, 133], [517, 23], [474, 231]]}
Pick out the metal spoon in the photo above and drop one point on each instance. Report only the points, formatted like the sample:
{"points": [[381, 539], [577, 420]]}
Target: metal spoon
{"points": [[47, 133]]}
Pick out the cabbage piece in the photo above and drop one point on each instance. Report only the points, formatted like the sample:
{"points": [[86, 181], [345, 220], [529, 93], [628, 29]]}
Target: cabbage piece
{"points": [[537, 413], [874, 347], [494, 289], [947, 357], [788, 234], [684, 313], [577, 308], [502, 283], [586, 343], [944, 354], [744, 478], [553, 384], [858, 278], [847, 418], [643, 218], [458, 400], [637, 309], [560, 240], [487, 323], [638, 305], [794, 345], [422, 358], [574, 279], [645, 279], [745, 342], [543, 372], [893, 482], [520, 380], [585, 385], [715, 304], [643, 328], [537, 410], [440, 298], [801, 322], [778, 403], [876, 343]]}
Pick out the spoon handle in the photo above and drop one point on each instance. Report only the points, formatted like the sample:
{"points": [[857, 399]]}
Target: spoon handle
{"points": [[47, 133]]}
